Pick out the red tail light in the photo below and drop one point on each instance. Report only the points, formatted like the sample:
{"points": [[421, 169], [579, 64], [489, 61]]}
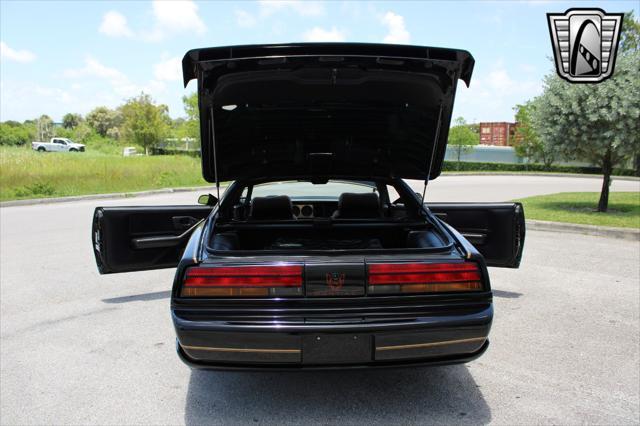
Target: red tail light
{"points": [[243, 281], [393, 278]]}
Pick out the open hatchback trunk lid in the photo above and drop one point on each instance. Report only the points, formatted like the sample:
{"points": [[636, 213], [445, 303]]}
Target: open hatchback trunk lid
{"points": [[318, 110]]}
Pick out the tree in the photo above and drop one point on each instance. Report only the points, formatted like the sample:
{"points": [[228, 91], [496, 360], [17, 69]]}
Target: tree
{"points": [[83, 133], [630, 42], [630, 35], [61, 132], [44, 126], [527, 142], [103, 119], [12, 134], [191, 106], [593, 122], [71, 121], [191, 127], [145, 123], [462, 137]]}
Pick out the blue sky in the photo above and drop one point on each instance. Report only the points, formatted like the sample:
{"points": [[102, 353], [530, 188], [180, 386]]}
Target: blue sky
{"points": [[59, 57]]}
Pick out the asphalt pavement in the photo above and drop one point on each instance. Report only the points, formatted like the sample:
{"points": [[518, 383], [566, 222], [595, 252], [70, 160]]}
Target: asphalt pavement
{"points": [[80, 348]]}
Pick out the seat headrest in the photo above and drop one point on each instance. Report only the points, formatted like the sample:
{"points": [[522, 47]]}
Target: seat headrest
{"points": [[275, 207], [358, 206]]}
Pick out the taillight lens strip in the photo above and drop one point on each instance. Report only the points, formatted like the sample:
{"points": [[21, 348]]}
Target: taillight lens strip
{"points": [[243, 281], [246, 271], [390, 278]]}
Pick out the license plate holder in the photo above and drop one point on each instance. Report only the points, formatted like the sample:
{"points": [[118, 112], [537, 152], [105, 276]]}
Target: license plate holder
{"points": [[337, 349]]}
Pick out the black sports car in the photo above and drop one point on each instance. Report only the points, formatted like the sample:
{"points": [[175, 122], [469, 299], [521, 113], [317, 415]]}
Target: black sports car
{"points": [[318, 254]]}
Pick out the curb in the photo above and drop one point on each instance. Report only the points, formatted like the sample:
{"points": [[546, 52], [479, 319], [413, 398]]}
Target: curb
{"points": [[113, 195], [542, 174], [631, 234]]}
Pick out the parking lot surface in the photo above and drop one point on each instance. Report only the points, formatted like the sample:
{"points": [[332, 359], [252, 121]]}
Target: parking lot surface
{"points": [[80, 348]]}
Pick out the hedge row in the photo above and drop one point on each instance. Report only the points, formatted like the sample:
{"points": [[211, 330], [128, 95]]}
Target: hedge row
{"points": [[465, 166]]}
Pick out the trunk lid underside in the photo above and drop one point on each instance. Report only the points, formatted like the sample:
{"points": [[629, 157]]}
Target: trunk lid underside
{"points": [[325, 110]]}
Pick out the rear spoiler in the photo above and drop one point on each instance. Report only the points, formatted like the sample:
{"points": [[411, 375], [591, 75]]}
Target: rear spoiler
{"points": [[267, 52]]}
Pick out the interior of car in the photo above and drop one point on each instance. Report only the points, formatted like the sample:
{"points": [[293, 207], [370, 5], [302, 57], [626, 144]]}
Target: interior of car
{"points": [[346, 216]]}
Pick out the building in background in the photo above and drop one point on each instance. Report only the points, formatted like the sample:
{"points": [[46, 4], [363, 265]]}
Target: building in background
{"points": [[497, 133]]}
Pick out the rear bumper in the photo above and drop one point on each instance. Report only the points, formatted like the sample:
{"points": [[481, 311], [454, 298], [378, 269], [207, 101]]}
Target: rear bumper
{"points": [[311, 345]]}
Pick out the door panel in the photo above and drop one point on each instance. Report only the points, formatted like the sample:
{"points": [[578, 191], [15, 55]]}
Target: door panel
{"points": [[140, 238], [497, 230]]}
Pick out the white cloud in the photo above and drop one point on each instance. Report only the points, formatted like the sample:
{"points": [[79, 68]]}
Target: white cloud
{"points": [[114, 24], [52, 92], [119, 82], [493, 95], [169, 69], [23, 100], [170, 17], [270, 8], [302, 8], [93, 68], [10, 54], [320, 34], [397, 31], [174, 16], [244, 19], [499, 79]]}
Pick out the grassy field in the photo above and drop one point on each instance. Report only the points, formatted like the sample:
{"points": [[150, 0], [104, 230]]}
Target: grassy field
{"points": [[28, 174], [579, 207]]}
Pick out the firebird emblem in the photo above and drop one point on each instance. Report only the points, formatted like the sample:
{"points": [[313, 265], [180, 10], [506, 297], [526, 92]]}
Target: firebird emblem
{"points": [[335, 281]]}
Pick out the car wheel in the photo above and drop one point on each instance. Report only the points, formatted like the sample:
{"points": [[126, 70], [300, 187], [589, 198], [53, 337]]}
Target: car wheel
{"points": [[41, 149], [73, 150]]}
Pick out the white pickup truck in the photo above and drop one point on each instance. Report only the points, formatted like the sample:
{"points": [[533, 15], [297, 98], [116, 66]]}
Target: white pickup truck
{"points": [[58, 145]]}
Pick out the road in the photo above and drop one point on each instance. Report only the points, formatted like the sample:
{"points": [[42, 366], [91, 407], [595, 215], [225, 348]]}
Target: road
{"points": [[80, 348]]}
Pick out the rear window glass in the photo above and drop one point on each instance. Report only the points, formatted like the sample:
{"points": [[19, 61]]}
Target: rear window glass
{"points": [[330, 190]]}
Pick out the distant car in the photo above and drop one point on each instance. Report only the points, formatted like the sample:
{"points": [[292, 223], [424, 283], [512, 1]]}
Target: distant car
{"points": [[58, 145], [319, 254]]}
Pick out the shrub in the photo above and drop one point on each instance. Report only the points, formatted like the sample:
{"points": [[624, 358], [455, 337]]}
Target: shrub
{"points": [[38, 189], [468, 166], [95, 142], [14, 135], [61, 132]]}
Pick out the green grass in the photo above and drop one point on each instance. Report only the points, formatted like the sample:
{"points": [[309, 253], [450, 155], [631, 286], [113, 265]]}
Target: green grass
{"points": [[580, 207], [28, 174]]}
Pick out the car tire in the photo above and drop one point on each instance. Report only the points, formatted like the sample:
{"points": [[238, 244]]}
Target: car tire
{"points": [[41, 149], [73, 150]]}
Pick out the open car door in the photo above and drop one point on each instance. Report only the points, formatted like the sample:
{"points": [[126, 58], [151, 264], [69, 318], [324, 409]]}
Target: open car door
{"points": [[129, 239], [496, 230]]}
